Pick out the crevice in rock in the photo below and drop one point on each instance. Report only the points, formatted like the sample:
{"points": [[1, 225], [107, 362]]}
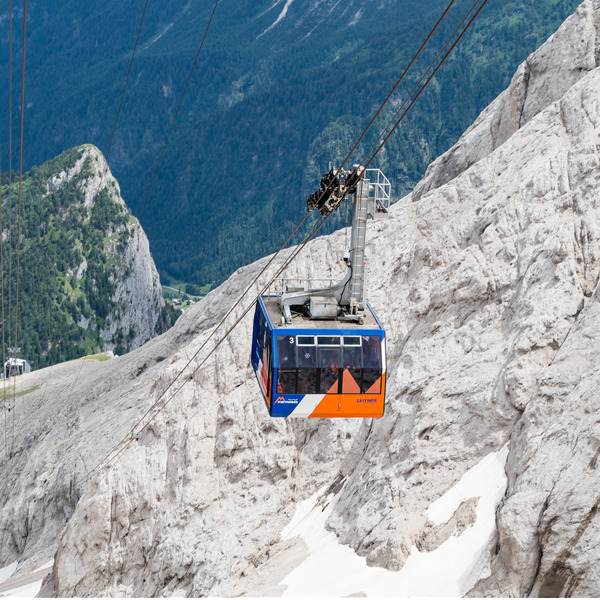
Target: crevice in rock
{"points": [[560, 579], [539, 544], [363, 539], [526, 79]]}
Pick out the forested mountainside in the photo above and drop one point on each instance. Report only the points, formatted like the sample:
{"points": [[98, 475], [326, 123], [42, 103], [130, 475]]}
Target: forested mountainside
{"points": [[86, 278], [480, 480], [280, 90]]}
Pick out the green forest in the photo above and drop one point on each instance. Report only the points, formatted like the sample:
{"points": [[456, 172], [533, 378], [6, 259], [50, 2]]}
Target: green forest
{"points": [[266, 112], [65, 265]]}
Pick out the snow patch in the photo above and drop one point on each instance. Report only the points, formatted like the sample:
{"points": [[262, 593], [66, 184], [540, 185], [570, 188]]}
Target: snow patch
{"points": [[47, 565], [262, 14], [155, 39], [280, 18], [332, 569], [356, 18], [26, 585], [476, 482], [30, 590], [6, 572]]}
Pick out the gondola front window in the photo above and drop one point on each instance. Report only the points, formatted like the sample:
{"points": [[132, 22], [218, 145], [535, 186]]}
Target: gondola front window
{"points": [[307, 363], [328, 364], [329, 369]]}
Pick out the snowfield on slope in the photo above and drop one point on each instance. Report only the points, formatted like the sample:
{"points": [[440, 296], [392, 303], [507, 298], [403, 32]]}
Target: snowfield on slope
{"points": [[332, 569]]}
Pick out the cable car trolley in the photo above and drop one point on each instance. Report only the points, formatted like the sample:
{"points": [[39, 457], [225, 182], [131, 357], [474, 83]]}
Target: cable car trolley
{"points": [[320, 351]]}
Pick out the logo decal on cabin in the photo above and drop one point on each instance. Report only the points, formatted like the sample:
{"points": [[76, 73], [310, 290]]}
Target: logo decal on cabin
{"points": [[282, 400]]}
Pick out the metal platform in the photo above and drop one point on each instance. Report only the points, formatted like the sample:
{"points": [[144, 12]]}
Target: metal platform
{"points": [[300, 321]]}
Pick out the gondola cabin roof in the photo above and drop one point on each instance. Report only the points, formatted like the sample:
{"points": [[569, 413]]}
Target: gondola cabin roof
{"points": [[300, 321]]}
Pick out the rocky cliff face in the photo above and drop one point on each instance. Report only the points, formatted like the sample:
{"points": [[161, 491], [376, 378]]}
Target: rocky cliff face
{"points": [[87, 278], [486, 283], [135, 294]]}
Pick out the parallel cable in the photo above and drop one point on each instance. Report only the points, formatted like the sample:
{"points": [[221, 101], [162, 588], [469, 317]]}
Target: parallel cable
{"points": [[3, 328], [416, 86], [19, 211], [126, 80], [6, 425], [9, 184], [428, 81], [248, 288], [119, 447], [412, 62], [177, 111], [316, 227]]}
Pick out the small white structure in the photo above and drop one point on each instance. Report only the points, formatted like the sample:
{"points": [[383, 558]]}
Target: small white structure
{"points": [[15, 366]]}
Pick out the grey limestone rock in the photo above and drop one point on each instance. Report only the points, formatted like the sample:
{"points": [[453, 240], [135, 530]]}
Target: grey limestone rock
{"points": [[571, 53], [487, 283]]}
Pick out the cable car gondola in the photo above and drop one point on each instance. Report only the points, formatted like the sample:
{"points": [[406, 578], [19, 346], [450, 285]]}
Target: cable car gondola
{"points": [[320, 352]]}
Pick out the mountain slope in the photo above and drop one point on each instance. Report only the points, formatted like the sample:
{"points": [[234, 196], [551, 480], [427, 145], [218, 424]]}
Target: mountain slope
{"points": [[87, 282], [487, 285], [272, 102]]}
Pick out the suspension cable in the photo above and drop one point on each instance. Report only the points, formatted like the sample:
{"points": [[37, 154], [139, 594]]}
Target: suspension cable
{"points": [[250, 306], [126, 80], [407, 99], [3, 324], [128, 439], [7, 412], [428, 81], [19, 214], [177, 111], [118, 448], [221, 322], [412, 62], [10, 185]]}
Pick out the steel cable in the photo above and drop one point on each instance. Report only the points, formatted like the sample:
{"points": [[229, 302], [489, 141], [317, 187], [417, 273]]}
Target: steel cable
{"points": [[126, 80], [3, 324], [19, 210], [177, 111], [119, 447], [427, 82], [418, 84], [9, 197], [117, 450]]}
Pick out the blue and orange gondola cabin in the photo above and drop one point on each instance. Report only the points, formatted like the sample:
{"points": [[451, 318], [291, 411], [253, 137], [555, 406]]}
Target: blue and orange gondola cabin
{"points": [[318, 369]]}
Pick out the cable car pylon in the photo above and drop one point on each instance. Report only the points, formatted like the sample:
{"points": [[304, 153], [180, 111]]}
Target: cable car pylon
{"points": [[320, 351]]}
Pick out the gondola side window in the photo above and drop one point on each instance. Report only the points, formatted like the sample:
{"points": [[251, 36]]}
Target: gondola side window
{"points": [[372, 364], [257, 343], [352, 364], [263, 357], [329, 370], [296, 365], [287, 373]]}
